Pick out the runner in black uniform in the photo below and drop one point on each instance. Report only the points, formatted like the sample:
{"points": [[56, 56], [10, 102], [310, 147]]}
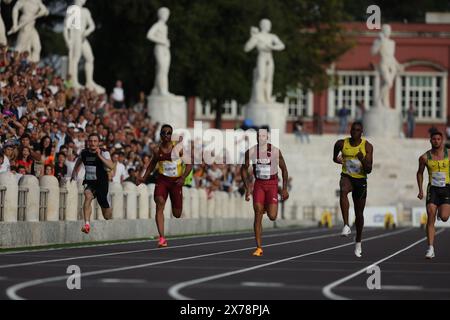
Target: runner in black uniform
{"points": [[96, 183]]}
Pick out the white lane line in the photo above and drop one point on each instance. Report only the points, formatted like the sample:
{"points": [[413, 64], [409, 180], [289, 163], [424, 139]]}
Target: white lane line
{"points": [[328, 290], [11, 292], [32, 263], [127, 281], [174, 291], [263, 284], [137, 241]]}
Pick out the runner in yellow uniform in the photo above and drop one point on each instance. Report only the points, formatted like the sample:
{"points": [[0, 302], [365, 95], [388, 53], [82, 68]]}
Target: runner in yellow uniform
{"points": [[355, 154], [438, 191]]}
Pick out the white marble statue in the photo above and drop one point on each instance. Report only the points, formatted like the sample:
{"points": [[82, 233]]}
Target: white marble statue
{"points": [[3, 40], [389, 67], [28, 38], [158, 34], [78, 45], [265, 42]]}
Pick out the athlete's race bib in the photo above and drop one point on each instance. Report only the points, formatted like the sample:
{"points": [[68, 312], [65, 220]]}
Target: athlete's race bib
{"points": [[353, 166], [263, 171], [91, 172], [170, 169], [438, 179]]}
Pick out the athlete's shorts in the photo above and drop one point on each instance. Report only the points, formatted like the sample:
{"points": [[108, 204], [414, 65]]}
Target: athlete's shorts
{"points": [[166, 186], [438, 195], [265, 192], [359, 187], [100, 191]]}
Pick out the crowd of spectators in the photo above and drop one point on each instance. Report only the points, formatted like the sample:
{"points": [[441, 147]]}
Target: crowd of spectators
{"points": [[45, 123]]}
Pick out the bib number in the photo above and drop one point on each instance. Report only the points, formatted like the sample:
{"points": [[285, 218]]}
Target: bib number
{"points": [[438, 179], [170, 169], [263, 171], [91, 173], [353, 166]]}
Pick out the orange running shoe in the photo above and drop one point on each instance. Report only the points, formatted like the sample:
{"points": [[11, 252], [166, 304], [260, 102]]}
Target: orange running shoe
{"points": [[162, 243], [258, 252], [86, 228]]}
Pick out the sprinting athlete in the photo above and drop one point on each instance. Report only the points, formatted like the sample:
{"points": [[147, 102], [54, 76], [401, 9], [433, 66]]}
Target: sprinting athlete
{"points": [[96, 161], [168, 159], [265, 159], [355, 154], [438, 191]]}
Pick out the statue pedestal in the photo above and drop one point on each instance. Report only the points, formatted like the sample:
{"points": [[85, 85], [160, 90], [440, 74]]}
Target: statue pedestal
{"points": [[169, 109], [383, 123], [272, 114]]}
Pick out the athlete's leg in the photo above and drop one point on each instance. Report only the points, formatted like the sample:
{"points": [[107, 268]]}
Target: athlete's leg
{"points": [[257, 225], [360, 204], [103, 201], [271, 194], [272, 211], [345, 189], [160, 204], [176, 198], [259, 200], [431, 212], [87, 208], [107, 213], [444, 212]]}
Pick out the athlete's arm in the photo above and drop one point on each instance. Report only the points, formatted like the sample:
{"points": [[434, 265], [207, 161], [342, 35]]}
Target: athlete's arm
{"points": [[422, 164], [150, 167], [367, 161], [244, 175], [284, 171], [76, 168], [107, 162], [337, 149]]}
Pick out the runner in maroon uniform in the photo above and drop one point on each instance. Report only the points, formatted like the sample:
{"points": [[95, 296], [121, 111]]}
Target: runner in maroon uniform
{"points": [[265, 159], [168, 159]]}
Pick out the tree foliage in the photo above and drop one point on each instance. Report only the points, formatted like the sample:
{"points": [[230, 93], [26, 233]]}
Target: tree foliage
{"points": [[208, 60]]}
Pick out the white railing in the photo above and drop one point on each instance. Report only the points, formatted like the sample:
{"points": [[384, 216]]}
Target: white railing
{"points": [[43, 199]]}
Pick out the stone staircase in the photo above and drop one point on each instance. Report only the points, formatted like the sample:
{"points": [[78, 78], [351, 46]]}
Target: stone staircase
{"points": [[316, 176]]}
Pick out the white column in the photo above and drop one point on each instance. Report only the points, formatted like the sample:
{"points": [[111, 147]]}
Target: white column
{"points": [[9, 181], [52, 185], [233, 198], [203, 203], [131, 190], [195, 203], [71, 201], [144, 204], [226, 205], [116, 192], [151, 193], [32, 210], [211, 206], [187, 209]]}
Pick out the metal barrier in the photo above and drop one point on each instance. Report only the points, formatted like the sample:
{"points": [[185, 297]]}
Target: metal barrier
{"points": [[2, 202], [22, 204], [138, 207], [125, 205], [24, 197], [43, 204], [62, 203], [80, 205], [309, 213]]}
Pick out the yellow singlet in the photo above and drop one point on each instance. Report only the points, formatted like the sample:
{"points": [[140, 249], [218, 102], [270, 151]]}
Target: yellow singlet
{"points": [[351, 165]]}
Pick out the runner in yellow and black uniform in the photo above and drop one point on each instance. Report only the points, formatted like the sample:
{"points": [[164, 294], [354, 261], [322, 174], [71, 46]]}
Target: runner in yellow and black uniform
{"points": [[355, 154], [437, 163]]}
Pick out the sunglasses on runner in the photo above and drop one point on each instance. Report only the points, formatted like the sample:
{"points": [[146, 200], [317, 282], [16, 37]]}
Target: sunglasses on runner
{"points": [[166, 133]]}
